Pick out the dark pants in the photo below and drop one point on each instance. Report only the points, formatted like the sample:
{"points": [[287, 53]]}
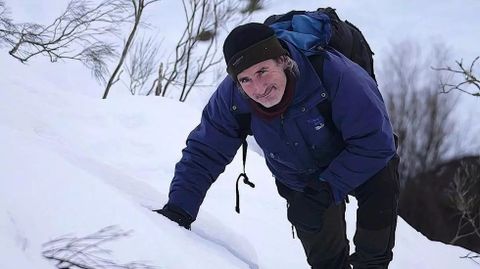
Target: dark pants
{"points": [[376, 222]]}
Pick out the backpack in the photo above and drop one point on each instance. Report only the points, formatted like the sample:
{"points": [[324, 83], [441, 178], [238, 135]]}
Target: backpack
{"points": [[311, 32]]}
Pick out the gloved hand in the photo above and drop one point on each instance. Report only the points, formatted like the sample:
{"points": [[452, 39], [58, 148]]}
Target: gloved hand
{"points": [[176, 214], [307, 208]]}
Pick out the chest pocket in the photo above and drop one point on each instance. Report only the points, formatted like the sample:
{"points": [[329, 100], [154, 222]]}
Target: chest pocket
{"points": [[276, 147], [325, 142]]}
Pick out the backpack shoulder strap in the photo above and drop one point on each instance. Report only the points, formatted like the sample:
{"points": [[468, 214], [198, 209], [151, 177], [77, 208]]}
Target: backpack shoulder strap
{"points": [[317, 63], [325, 107], [244, 121]]}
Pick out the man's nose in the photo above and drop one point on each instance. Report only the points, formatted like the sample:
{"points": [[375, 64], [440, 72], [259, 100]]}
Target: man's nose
{"points": [[259, 85]]}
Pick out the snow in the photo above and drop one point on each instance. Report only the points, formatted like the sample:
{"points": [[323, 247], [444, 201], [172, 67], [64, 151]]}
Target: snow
{"points": [[72, 164]]}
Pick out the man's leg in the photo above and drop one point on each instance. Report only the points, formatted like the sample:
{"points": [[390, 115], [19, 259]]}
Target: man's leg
{"points": [[328, 248], [376, 219]]}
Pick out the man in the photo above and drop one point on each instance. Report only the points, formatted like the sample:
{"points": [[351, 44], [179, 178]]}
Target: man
{"points": [[315, 165]]}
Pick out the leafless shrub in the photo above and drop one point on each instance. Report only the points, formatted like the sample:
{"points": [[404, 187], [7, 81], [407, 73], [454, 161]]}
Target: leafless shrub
{"points": [[138, 7], [70, 252], [142, 64], [197, 50], [464, 196], [77, 34]]}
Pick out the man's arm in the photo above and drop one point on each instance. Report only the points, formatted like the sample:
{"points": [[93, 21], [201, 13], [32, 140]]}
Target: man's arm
{"points": [[210, 147], [359, 112]]}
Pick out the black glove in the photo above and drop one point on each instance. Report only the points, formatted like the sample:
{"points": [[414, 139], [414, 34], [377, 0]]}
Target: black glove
{"points": [[307, 208], [176, 214]]}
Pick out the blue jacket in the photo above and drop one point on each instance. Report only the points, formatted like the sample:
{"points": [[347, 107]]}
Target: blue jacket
{"points": [[297, 147]]}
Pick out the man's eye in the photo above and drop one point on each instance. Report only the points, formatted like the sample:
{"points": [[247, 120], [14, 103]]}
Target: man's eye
{"points": [[244, 80]]}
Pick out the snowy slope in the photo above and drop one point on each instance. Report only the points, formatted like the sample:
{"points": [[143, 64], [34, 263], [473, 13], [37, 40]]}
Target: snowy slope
{"points": [[73, 164]]}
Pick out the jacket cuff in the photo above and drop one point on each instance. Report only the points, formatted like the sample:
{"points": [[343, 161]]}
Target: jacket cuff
{"points": [[179, 211], [338, 196]]}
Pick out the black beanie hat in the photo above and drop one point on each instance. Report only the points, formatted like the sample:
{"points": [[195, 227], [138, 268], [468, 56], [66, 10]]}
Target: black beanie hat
{"points": [[250, 44]]}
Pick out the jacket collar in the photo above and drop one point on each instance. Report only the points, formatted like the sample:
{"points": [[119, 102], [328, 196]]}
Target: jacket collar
{"points": [[309, 89]]}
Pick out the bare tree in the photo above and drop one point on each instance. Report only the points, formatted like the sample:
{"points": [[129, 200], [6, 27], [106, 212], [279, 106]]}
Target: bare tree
{"points": [[77, 34], [70, 252], [138, 6], [197, 50], [420, 115], [470, 78], [465, 199]]}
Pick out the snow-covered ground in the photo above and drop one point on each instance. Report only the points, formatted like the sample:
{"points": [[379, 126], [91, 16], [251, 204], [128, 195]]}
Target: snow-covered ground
{"points": [[71, 164]]}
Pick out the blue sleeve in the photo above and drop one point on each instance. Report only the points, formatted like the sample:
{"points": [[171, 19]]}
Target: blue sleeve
{"points": [[210, 147], [359, 112]]}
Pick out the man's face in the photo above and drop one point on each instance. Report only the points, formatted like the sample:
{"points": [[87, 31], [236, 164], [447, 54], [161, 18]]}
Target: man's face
{"points": [[264, 82]]}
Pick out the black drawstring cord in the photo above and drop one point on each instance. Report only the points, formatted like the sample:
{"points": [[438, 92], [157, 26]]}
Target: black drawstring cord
{"points": [[244, 175]]}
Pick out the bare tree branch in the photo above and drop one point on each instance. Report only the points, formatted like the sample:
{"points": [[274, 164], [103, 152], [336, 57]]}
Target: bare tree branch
{"points": [[470, 78], [157, 83], [473, 257], [69, 252]]}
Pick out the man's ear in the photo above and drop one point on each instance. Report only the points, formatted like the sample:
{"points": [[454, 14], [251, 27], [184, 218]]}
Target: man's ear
{"points": [[283, 61]]}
